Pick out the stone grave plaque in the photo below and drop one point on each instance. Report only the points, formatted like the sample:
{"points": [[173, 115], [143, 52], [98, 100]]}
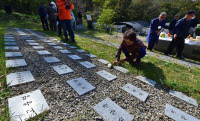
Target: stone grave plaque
{"points": [[81, 86], [19, 78], [65, 51], [33, 44], [51, 59], [138, 93], [110, 111], [87, 64], [11, 48], [9, 40], [27, 105], [79, 50], [62, 69], [103, 61], [8, 35], [72, 47], [177, 114], [106, 75], [146, 80], [75, 57], [183, 97], [38, 47], [91, 55], [47, 41], [10, 44], [57, 47], [44, 52], [15, 63], [119, 68], [65, 44], [51, 44], [13, 54], [29, 41]]}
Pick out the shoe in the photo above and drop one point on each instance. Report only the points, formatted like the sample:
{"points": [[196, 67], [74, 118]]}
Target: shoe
{"points": [[138, 62], [180, 57]]}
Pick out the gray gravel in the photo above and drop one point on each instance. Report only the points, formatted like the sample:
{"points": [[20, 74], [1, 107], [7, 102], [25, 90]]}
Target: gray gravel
{"points": [[65, 103]]}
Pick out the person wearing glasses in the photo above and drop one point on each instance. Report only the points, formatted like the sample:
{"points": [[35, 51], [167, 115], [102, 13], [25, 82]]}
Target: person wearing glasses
{"points": [[180, 32], [156, 27]]}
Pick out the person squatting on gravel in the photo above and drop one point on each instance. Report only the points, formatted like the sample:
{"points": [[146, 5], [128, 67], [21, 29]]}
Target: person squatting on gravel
{"points": [[65, 17], [132, 47]]}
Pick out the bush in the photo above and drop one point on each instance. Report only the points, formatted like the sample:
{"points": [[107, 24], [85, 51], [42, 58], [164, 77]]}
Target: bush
{"points": [[198, 30]]}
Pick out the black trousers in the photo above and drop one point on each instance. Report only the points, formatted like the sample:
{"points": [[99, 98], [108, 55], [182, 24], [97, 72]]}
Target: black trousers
{"points": [[44, 21], [177, 43], [59, 28], [53, 24]]}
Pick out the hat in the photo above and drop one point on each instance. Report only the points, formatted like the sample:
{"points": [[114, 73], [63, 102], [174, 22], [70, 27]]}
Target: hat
{"points": [[52, 3], [190, 12]]}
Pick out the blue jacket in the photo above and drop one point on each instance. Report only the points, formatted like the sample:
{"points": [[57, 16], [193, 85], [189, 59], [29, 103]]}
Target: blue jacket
{"points": [[152, 35], [172, 24], [42, 11], [182, 28]]}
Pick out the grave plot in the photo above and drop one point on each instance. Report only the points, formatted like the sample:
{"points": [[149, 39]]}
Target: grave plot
{"points": [[91, 55], [47, 41], [13, 54], [87, 64], [10, 44], [51, 59], [44, 52], [57, 47], [72, 47], [75, 57], [108, 76], [30, 41], [138, 93], [11, 48], [177, 114], [183, 97], [103, 61], [146, 80], [15, 63], [27, 105], [79, 50], [19, 78], [38, 47], [33, 44], [110, 111], [9, 40], [62, 69], [65, 44], [65, 51], [121, 69], [51, 44], [81, 86]]}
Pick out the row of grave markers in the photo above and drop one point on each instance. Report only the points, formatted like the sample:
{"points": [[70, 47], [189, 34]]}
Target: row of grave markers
{"points": [[107, 108]]}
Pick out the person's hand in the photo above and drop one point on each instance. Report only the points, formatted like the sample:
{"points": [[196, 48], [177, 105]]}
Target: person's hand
{"points": [[115, 63], [56, 14], [157, 31], [175, 36]]}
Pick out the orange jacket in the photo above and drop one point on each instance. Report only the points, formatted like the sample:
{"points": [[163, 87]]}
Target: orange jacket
{"points": [[64, 14]]}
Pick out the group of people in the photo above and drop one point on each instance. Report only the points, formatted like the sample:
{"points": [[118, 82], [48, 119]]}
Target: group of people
{"points": [[59, 16], [133, 48]]}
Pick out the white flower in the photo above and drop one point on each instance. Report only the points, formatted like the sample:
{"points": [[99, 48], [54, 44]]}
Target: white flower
{"points": [[159, 27], [109, 65]]}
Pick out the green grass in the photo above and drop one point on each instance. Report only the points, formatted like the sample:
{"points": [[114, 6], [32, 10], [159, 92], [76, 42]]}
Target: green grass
{"points": [[173, 76]]}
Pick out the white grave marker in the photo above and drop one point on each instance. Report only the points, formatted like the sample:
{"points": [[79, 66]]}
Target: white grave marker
{"points": [[15, 63], [47, 41], [75, 57], [65, 51], [91, 55], [30, 41], [9, 40], [10, 44], [119, 68], [13, 54], [62, 69], [51, 59], [103, 61], [19, 78], [72, 47], [81, 86], [27, 105], [87, 64], [38, 47], [146, 80], [79, 50], [57, 47], [110, 111], [106, 75], [11, 48], [65, 44], [44, 52], [51, 44], [33, 44]]}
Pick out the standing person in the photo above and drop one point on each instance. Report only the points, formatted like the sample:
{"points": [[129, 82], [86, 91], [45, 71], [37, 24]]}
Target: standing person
{"points": [[172, 24], [43, 16], [65, 17], [59, 24], [130, 45], [154, 31], [52, 18], [181, 31]]}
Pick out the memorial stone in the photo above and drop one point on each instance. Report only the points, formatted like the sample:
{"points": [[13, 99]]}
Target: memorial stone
{"points": [[74, 57], [51, 59], [51, 44], [146, 80], [10, 44], [11, 48], [38, 47], [79, 50], [103, 61], [72, 47], [87, 64], [62, 69], [57, 47], [65, 51], [29, 41], [33, 44], [119, 68], [13, 54], [91, 55], [106, 75], [44, 52], [15, 63]]}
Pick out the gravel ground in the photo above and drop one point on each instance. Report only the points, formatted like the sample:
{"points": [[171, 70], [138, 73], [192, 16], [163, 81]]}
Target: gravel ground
{"points": [[66, 104]]}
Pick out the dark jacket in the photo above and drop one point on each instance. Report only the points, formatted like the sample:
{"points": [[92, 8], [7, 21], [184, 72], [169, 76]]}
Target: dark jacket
{"points": [[51, 11], [172, 24], [193, 23], [42, 11], [182, 28]]}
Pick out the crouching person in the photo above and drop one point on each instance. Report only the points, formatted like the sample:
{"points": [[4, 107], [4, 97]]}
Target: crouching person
{"points": [[132, 47]]}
